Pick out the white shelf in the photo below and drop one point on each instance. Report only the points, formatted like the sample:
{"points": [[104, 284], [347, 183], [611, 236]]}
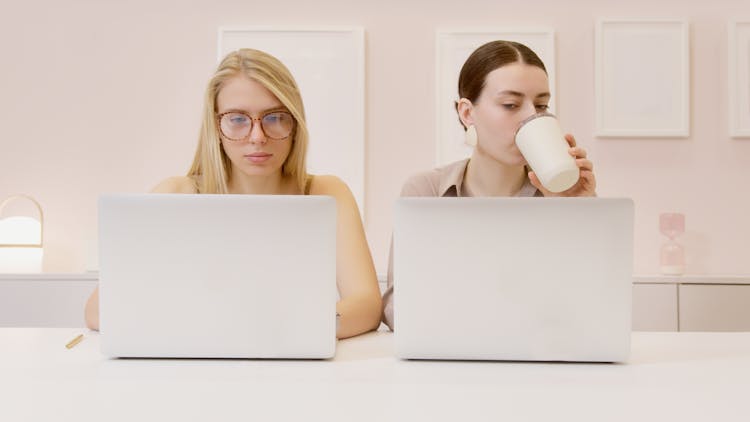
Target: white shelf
{"points": [[691, 279], [89, 276], [637, 278]]}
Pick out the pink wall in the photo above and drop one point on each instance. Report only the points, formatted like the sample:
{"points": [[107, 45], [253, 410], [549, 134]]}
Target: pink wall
{"points": [[103, 96]]}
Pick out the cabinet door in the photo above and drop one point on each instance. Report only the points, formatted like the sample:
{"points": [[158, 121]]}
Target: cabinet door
{"points": [[654, 307], [707, 307], [37, 303]]}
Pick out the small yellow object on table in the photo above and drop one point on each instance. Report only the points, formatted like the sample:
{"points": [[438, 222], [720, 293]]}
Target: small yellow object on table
{"points": [[75, 341]]}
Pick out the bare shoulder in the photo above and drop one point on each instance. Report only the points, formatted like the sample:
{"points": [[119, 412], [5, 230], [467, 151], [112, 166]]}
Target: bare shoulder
{"points": [[329, 185], [333, 186], [176, 184]]}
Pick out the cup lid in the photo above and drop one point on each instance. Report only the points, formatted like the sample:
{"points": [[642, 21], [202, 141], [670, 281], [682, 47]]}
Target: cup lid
{"points": [[532, 117]]}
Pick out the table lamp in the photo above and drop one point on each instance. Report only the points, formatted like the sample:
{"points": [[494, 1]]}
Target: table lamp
{"points": [[21, 245]]}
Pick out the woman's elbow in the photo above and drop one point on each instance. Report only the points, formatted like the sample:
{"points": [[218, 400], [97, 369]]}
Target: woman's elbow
{"points": [[91, 312]]}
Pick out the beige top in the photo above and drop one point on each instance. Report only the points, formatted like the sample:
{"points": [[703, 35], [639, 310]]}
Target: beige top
{"points": [[446, 181]]}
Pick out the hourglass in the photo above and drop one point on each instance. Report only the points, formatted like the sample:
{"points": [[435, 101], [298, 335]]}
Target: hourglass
{"points": [[672, 253]]}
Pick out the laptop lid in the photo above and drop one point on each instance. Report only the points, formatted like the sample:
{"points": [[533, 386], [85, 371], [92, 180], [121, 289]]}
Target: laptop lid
{"points": [[217, 276], [513, 278]]}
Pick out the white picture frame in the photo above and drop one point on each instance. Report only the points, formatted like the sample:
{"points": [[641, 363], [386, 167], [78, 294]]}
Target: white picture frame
{"points": [[328, 64], [453, 47], [642, 78], [739, 79]]}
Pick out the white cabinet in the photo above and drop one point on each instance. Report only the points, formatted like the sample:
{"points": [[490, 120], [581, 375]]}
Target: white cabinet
{"points": [[660, 303], [691, 303], [655, 307], [714, 307], [44, 300]]}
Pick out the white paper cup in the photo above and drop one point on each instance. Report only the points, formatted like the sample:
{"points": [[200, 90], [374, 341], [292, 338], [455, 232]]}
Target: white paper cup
{"points": [[544, 147]]}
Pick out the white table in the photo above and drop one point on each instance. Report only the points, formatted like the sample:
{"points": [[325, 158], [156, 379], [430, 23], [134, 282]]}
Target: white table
{"points": [[670, 377]]}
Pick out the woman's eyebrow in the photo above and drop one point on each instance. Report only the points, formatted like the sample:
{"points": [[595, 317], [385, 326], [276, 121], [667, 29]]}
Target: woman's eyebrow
{"points": [[510, 92], [520, 94], [263, 112]]}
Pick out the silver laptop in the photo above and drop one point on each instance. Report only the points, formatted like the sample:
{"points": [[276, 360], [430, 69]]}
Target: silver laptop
{"points": [[541, 279], [217, 276]]}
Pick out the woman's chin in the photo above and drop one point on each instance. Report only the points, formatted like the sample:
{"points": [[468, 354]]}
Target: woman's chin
{"points": [[259, 171]]}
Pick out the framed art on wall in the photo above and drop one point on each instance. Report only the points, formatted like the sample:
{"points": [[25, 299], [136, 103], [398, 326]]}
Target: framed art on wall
{"points": [[739, 79], [642, 78]]}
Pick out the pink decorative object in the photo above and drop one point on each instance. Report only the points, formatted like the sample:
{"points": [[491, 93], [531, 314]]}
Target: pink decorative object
{"points": [[672, 253]]}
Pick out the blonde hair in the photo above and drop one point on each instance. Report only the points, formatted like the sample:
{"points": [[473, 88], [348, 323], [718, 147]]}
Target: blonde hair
{"points": [[211, 166]]}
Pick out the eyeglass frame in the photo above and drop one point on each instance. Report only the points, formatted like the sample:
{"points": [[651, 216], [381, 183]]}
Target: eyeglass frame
{"points": [[219, 116]]}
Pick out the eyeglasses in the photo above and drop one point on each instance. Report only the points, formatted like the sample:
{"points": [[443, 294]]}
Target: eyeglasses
{"points": [[237, 125]]}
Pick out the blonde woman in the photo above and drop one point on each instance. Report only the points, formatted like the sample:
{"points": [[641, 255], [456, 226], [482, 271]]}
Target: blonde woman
{"points": [[253, 140]]}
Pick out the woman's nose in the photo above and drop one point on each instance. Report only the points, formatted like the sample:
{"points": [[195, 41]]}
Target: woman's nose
{"points": [[257, 136], [529, 109]]}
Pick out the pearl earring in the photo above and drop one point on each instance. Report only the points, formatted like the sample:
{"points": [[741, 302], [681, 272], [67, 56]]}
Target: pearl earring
{"points": [[471, 136]]}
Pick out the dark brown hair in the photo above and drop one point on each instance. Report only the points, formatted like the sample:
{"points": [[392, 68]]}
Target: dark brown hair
{"points": [[485, 59]]}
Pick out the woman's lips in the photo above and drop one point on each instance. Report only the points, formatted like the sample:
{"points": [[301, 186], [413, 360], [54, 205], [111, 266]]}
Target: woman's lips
{"points": [[258, 157]]}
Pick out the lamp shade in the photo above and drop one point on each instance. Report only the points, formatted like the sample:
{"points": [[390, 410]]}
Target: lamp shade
{"points": [[21, 242]]}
